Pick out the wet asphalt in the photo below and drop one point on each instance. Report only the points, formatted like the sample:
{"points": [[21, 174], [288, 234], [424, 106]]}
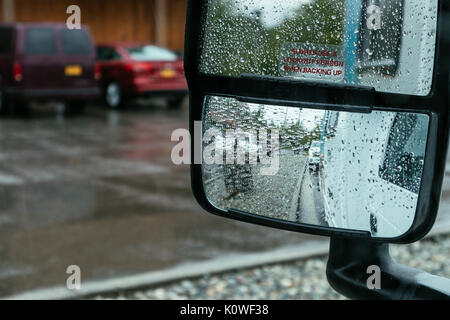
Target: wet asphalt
{"points": [[99, 191]]}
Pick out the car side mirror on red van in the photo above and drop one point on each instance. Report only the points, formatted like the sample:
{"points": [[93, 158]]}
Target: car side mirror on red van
{"points": [[324, 117]]}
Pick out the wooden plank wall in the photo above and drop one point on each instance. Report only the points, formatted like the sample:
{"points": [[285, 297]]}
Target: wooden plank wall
{"points": [[111, 20], [176, 21]]}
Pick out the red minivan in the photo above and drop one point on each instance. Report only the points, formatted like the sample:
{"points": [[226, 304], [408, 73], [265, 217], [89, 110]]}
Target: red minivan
{"points": [[132, 70], [46, 61]]}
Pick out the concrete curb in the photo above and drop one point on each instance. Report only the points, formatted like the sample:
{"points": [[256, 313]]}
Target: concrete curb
{"points": [[295, 198], [184, 271], [194, 270]]}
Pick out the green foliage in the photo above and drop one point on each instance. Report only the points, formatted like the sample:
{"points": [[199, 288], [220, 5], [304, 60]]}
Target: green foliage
{"points": [[296, 137]]}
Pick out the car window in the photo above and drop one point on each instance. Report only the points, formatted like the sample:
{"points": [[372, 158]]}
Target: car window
{"points": [[75, 42], [405, 152], [40, 41], [107, 54], [6, 40], [151, 53]]}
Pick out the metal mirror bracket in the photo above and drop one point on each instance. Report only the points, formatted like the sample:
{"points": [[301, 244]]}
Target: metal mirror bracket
{"points": [[347, 273]]}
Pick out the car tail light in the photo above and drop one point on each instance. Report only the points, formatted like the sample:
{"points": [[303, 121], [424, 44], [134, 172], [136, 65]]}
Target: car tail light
{"points": [[97, 72], [180, 68], [141, 67], [17, 72]]}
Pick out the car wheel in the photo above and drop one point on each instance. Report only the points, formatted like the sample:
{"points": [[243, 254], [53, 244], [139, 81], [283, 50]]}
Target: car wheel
{"points": [[4, 104], [175, 103], [113, 96], [20, 108]]}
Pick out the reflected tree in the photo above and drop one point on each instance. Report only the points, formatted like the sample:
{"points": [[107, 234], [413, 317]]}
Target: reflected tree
{"points": [[238, 41]]}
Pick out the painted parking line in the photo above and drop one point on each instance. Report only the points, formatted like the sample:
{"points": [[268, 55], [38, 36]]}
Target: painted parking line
{"points": [[10, 180]]}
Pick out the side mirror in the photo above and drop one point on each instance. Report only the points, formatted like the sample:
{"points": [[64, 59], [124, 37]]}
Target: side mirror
{"points": [[324, 117]]}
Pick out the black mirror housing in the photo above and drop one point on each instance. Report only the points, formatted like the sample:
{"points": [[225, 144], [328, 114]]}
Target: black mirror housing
{"points": [[327, 96]]}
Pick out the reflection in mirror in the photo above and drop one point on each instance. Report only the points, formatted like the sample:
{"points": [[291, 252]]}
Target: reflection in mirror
{"points": [[326, 168], [385, 44]]}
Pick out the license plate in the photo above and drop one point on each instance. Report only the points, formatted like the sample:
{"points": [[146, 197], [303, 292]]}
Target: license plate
{"points": [[73, 71], [167, 73]]}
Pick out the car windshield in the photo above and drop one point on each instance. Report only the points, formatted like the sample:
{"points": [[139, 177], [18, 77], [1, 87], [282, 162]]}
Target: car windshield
{"points": [[315, 145], [151, 53], [40, 41], [75, 42]]}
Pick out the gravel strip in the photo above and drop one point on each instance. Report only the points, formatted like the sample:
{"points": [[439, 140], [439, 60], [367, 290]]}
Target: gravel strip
{"points": [[271, 195], [297, 280]]}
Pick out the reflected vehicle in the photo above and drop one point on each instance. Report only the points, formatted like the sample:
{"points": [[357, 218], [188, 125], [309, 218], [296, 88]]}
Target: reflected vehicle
{"points": [[46, 61], [385, 179], [314, 155], [131, 70], [238, 173], [379, 195]]}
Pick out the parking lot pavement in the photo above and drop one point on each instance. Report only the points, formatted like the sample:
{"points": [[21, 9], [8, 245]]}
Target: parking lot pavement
{"points": [[99, 191]]}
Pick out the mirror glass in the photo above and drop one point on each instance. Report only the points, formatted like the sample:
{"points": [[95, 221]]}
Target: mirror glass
{"points": [[359, 171], [385, 44]]}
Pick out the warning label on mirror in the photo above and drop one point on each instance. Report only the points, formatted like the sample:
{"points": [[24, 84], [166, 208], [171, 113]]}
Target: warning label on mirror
{"points": [[312, 61]]}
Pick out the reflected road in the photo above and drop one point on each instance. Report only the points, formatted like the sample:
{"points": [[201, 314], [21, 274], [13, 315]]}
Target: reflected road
{"points": [[311, 210]]}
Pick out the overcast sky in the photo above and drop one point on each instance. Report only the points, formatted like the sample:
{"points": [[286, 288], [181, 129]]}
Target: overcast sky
{"points": [[309, 118], [273, 11]]}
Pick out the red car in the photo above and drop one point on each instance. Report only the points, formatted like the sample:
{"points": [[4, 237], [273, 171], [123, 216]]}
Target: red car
{"points": [[136, 70]]}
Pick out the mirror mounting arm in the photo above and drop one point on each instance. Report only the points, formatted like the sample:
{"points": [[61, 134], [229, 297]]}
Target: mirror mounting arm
{"points": [[348, 273]]}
